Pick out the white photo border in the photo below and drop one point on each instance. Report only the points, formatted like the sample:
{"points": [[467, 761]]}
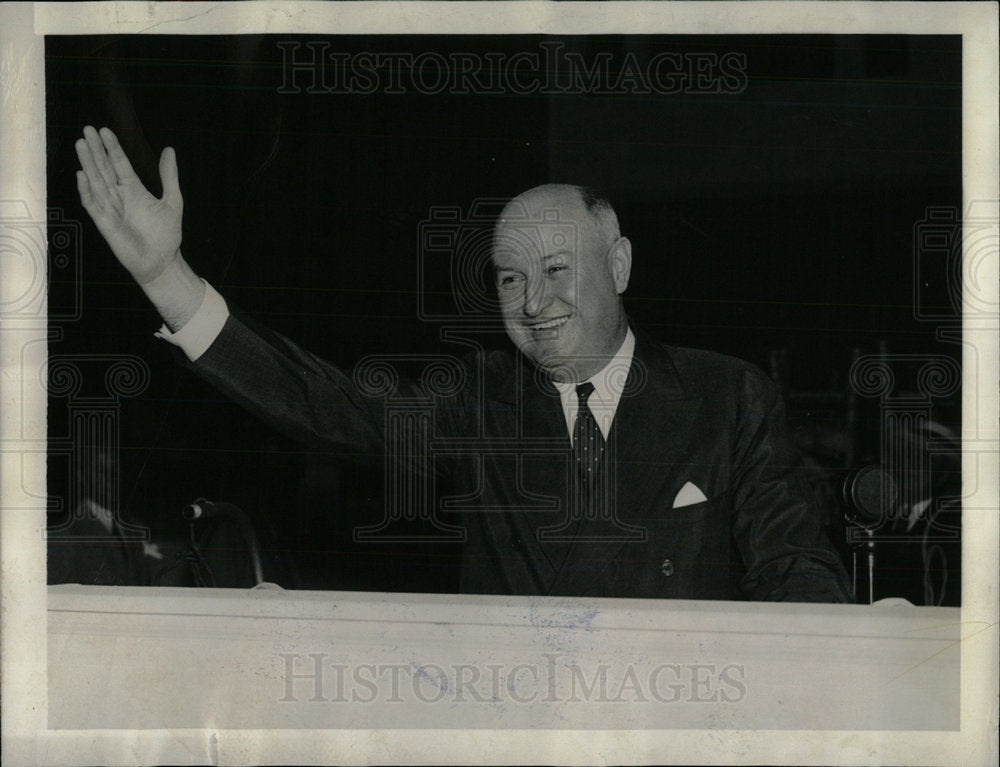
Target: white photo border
{"points": [[26, 738]]}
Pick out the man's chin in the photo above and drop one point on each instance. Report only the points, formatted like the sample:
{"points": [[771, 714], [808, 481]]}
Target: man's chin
{"points": [[556, 363]]}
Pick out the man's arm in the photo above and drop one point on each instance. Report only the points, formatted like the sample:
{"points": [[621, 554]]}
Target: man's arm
{"points": [[778, 525], [306, 398]]}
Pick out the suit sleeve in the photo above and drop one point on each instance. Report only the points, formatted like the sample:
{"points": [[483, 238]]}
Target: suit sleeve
{"points": [[778, 526], [309, 400]]}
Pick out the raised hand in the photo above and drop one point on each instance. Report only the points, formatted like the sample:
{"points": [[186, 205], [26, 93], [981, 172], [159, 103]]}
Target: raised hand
{"points": [[143, 232]]}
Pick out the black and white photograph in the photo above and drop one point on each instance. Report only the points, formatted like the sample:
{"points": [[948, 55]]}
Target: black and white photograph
{"points": [[500, 382]]}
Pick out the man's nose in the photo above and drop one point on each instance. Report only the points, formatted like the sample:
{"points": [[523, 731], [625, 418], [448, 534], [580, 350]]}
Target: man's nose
{"points": [[535, 297]]}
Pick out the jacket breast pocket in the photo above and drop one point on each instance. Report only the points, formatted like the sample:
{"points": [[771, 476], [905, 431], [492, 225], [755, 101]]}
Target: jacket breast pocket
{"points": [[695, 521]]}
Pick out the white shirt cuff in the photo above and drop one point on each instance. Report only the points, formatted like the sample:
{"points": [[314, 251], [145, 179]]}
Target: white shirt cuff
{"points": [[202, 329]]}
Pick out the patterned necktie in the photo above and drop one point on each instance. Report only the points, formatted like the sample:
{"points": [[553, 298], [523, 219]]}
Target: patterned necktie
{"points": [[588, 442]]}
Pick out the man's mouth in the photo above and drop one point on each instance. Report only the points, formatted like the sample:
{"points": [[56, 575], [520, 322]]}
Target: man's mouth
{"points": [[552, 324]]}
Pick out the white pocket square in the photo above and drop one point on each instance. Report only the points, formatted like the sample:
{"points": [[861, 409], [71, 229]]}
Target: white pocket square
{"points": [[689, 495]]}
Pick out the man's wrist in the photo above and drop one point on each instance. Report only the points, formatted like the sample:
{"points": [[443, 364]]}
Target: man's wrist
{"points": [[177, 293], [200, 332]]}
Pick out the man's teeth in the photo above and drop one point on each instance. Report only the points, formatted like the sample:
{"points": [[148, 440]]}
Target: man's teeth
{"points": [[550, 324]]}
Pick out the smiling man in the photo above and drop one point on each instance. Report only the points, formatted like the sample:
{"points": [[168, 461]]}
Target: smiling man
{"points": [[594, 462], [561, 265]]}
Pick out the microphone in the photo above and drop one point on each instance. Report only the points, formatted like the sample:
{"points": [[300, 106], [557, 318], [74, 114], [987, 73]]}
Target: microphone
{"points": [[202, 508], [867, 493]]}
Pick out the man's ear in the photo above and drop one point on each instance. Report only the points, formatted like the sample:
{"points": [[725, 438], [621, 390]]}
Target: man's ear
{"points": [[620, 263]]}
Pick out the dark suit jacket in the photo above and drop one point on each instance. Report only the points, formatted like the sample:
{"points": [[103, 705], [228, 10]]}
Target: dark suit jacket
{"points": [[494, 430]]}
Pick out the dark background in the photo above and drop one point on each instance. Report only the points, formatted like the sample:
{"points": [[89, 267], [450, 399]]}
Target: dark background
{"points": [[776, 224]]}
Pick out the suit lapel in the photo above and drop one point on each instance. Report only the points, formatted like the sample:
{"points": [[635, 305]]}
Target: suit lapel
{"points": [[652, 429], [650, 443], [542, 465]]}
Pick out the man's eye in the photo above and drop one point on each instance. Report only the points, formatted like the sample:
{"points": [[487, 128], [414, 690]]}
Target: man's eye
{"points": [[509, 281], [556, 268]]}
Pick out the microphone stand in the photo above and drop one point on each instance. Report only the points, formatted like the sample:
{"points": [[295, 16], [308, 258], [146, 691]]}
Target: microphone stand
{"points": [[869, 545], [203, 508], [867, 495]]}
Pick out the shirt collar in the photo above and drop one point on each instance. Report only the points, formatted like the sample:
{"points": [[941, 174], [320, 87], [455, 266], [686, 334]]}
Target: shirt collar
{"points": [[609, 383]]}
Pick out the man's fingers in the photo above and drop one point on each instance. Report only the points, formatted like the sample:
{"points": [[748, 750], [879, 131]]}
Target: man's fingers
{"points": [[83, 187], [100, 156], [119, 161], [94, 178], [94, 207], [168, 177]]}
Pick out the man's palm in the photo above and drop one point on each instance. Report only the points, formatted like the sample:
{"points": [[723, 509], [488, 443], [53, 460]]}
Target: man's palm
{"points": [[143, 232]]}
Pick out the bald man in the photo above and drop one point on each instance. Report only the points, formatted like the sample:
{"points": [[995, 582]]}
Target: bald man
{"points": [[594, 462]]}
